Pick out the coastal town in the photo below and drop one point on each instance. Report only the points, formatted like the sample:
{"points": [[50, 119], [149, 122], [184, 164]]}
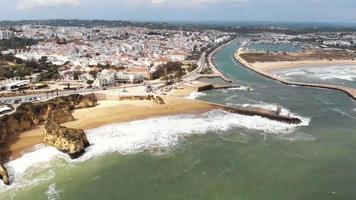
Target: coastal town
{"points": [[58, 81], [170, 100], [101, 57], [44, 59]]}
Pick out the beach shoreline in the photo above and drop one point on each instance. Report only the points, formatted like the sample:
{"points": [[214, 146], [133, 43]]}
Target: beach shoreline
{"points": [[109, 112], [281, 65]]}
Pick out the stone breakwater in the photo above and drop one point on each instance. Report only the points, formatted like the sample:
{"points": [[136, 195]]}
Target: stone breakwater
{"points": [[255, 111], [348, 90], [29, 115]]}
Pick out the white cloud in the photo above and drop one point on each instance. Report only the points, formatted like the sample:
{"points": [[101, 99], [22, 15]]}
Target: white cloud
{"points": [[29, 4]]}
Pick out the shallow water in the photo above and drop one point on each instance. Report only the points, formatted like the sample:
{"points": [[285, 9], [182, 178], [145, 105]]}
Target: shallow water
{"points": [[215, 155]]}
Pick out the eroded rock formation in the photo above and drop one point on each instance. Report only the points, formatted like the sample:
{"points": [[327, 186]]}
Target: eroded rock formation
{"points": [[29, 115], [70, 141], [156, 99], [3, 174]]}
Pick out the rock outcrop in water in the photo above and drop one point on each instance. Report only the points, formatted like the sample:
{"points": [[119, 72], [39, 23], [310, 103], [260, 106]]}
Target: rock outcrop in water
{"points": [[70, 141], [29, 115]]}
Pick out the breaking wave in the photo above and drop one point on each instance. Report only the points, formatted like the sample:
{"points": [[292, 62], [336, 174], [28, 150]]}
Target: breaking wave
{"points": [[156, 134], [343, 72], [195, 95]]}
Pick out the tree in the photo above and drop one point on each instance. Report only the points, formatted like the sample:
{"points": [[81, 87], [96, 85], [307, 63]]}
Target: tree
{"points": [[166, 79], [89, 82], [93, 73], [179, 74], [76, 75]]}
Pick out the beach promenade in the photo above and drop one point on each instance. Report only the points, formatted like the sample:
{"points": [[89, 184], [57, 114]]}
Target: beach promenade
{"points": [[348, 90]]}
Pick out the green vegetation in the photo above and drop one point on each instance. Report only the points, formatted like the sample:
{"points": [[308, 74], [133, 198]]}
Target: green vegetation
{"points": [[89, 82], [16, 43], [207, 71], [191, 67], [11, 66], [169, 68]]}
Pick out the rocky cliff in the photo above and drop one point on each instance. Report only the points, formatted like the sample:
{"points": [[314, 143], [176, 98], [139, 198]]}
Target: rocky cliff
{"points": [[70, 141], [29, 115]]}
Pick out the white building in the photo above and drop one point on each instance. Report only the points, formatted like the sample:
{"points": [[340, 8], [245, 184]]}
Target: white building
{"points": [[106, 77], [129, 78]]}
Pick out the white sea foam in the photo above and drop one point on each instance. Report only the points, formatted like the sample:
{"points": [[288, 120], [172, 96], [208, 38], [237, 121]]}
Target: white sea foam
{"points": [[284, 111], [150, 134], [165, 132], [52, 193], [344, 72], [195, 95], [343, 113], [29, 164]]}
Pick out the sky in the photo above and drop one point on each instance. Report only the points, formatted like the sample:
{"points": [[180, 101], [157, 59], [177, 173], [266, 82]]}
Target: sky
{"points": [[182, 10]]}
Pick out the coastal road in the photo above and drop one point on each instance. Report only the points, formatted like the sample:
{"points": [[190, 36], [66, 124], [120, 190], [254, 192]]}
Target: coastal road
{"points": [[62, 93], [41, 95]]}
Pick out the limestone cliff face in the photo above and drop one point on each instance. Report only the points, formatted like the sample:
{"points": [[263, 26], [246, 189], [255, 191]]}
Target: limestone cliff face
{"points": [[3, 175], [29, 115], [70, 141]]}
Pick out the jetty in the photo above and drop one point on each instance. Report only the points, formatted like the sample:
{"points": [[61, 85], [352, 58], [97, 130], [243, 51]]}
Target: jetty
{"points": [[348, 90], [257, 111]]}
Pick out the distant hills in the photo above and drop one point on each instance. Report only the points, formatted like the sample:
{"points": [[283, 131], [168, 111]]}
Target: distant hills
{"points": [[229, 26]]}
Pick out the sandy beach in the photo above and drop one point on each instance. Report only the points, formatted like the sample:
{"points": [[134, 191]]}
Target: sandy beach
{"points": [[109, 112], [267, 73], [275, 66]]}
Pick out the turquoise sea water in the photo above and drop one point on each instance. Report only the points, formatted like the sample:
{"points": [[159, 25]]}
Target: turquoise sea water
{"points": [[211, 156]]}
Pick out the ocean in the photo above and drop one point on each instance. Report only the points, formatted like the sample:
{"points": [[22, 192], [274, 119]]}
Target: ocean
{"points": [[215, 155]]}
